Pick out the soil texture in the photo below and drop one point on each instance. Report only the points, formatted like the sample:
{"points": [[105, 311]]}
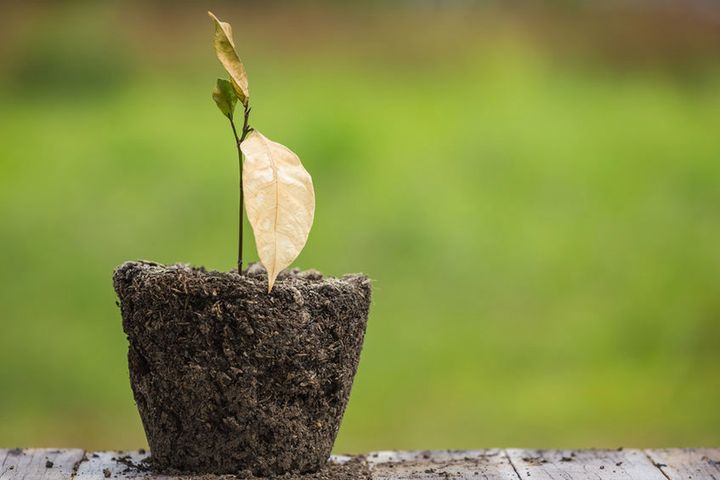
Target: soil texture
{"points": [[229, 378]]}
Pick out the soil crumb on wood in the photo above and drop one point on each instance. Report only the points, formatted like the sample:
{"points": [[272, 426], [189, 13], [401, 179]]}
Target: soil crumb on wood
{"points": [[228, 377], [449, 464], [355, 469]]}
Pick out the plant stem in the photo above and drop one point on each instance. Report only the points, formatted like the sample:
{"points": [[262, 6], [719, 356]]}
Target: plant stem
{"points": [[238, 140]]}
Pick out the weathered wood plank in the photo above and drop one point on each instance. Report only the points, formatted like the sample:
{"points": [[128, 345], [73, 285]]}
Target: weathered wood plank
{"points": [[456, 464], [687, 463], [512, 464], [618, 464], [128, 465], [101, 465], [3, 454], [40, 464]]}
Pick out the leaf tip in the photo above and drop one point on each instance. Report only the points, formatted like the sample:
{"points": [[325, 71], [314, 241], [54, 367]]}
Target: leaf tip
{"points": [[226, 53], [272, 276]]}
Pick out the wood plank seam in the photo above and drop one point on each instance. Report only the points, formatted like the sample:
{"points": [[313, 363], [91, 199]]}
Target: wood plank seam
{"points": [[40, 464], [686, 463], [511, 463], [657, 465], [487, 464], [587, 464]]}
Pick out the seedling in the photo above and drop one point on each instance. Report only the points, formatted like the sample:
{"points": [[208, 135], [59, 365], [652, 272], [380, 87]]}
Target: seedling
{"points": [[275, 189], [225, 377]]}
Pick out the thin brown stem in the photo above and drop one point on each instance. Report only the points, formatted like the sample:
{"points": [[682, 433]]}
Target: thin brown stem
{"points": [[238, 140]]}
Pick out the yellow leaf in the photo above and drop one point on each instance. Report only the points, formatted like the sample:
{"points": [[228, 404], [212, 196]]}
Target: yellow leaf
{"points": [[225, 51], [279, 200]]}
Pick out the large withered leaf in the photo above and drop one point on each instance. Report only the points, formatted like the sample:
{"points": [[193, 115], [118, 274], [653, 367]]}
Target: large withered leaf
{"points": [[226, 53], [279, 200]]}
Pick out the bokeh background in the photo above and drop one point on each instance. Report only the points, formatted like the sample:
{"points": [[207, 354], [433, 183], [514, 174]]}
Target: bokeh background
{"points": [[533, 186]]}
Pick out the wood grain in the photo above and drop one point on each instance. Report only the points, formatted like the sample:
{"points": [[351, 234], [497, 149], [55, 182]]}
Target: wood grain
{"points": [[101, 465], [491, 464], [39, 464], [687, 463], [129, 465], [461, 464], [624, 464]]}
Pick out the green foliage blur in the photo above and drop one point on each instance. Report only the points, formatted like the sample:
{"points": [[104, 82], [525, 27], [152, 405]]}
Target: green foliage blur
{"points": [[535, 192]]}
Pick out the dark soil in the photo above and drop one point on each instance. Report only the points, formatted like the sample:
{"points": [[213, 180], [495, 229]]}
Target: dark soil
{"points": [[228, 378]]}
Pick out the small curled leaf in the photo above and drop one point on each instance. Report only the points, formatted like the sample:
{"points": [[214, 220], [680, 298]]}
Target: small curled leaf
{"points": [[225, 51], [279, 200], [225, 97]]}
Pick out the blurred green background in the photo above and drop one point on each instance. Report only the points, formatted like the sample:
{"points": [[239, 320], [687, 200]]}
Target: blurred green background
{"points": [[535, 190]]}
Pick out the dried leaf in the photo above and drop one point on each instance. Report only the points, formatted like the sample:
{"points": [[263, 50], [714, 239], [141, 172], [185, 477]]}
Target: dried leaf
{"points": [[225, 51], [225, 97], [279, 200]]}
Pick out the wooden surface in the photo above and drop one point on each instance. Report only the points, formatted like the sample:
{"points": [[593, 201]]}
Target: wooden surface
{"points": [[491, 464], [585, 464], [689, 463], [38, 464]]}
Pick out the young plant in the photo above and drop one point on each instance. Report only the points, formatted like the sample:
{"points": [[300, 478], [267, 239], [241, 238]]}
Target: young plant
{"points": [[276, 190]]}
